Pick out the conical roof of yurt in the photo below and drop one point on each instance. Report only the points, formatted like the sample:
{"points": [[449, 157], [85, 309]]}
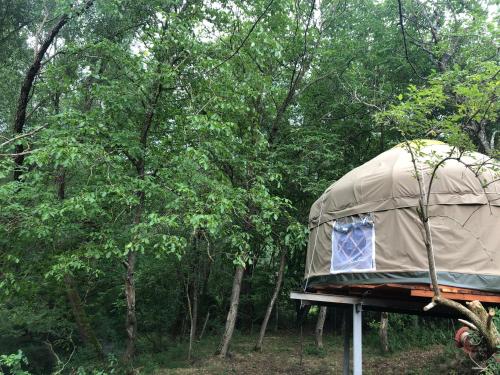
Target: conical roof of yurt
{"points": [[365, 228]]}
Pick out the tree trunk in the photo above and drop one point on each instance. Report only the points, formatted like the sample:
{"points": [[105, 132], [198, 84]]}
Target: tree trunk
{"points": [[483, 138], [263, 327], [131, 319], [194, 320], [492, 140], [86, 332], [204, 325], [206, 268], [140, 165], [319, 327], [382, 333], [193, 316], [198, 271], [232, 314]]}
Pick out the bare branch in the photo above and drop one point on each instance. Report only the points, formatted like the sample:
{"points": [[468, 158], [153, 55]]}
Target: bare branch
{"points": [[401, 24], [24, 135], [468, 324], [235, 52]]}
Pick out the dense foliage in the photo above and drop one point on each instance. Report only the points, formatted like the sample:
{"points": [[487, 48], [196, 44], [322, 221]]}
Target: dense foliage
{"points": [[165, 144]]}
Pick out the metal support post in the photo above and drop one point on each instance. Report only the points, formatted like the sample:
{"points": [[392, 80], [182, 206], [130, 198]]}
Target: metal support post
{"points": [[357, 347], [347, 342]]}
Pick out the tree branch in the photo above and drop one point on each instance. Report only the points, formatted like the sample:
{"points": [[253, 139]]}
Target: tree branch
{"points": [[23, 99], [24, 135], [401, 24], [235, 52]]}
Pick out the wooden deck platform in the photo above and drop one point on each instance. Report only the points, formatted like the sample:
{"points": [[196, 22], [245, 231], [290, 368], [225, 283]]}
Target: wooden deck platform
{"points": [[405, 297]]}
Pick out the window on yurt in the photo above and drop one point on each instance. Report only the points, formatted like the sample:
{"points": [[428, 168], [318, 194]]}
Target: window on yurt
{"points": [[353, 244]]}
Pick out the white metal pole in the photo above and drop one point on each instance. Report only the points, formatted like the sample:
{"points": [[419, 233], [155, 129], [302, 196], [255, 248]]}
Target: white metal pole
{"points": [[357, 347], [347, 342]]}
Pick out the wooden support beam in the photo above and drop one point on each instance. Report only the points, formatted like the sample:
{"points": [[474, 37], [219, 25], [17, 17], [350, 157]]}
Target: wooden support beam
{"points": [[457, 296]]}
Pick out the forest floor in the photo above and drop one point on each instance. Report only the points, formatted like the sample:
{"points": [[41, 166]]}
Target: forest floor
{"points": [[282, 355]]}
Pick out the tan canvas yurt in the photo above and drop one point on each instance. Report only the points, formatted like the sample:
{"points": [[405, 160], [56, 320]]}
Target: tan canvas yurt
{"points": [[365, 228]]}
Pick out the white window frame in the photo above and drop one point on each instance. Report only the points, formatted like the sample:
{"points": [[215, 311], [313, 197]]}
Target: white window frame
{"points": [[373, 252]]}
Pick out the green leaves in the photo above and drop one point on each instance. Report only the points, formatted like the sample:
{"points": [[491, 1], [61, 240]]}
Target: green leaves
{"points": [[454, 107], [70, 264], [14, 363]]}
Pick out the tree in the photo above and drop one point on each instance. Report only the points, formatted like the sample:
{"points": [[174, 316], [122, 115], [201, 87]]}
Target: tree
{"points": [[480, 318], [446, 108], [319, 327], [384, 323]]}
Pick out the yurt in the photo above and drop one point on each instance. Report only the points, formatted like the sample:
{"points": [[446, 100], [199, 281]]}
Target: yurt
{"points": [[365, 228]]}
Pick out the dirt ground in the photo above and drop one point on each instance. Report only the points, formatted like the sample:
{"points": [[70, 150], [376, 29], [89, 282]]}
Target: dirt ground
{"points": [[282, 355]]}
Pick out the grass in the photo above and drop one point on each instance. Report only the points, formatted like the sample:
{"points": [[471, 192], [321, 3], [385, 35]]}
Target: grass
{"points": [[281, 354], [426, 348]]}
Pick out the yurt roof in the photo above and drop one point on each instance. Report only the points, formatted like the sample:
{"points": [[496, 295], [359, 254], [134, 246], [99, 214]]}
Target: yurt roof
{"points": [[388, 181]]}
